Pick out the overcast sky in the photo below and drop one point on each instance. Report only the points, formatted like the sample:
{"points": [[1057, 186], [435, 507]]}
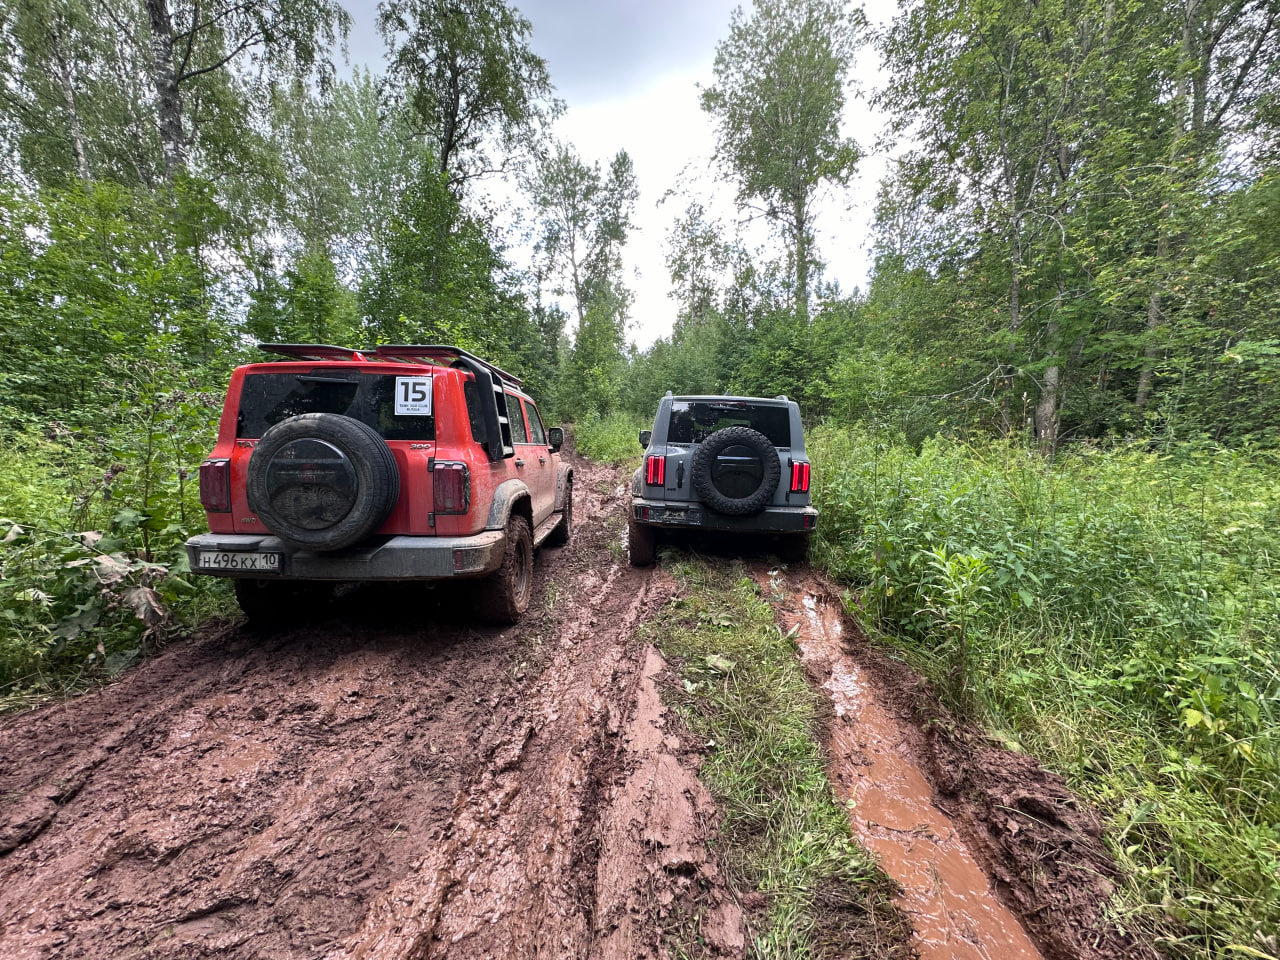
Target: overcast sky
{"points": [[629, 73]]}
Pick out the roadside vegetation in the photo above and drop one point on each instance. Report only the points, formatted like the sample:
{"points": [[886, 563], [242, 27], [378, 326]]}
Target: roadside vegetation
{"points": [[610, 439], [1113, 612], [783, 834]]}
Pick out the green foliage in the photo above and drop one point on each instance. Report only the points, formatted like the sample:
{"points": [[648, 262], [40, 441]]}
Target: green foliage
{"points": [[609, 439], [439, 278], [92, 569], [777, 102], [1113, 612], [465, 70]]}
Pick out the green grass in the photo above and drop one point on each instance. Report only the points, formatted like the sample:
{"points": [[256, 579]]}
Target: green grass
{"points": [[783, 834], [1116, 614], [611, 439]]}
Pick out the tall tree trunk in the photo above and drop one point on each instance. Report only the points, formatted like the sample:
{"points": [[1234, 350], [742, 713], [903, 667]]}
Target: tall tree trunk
{"points": [[1047, 405], [1155, 320], [73, 116], [1188, 121], [168, 96], [800, 215]]}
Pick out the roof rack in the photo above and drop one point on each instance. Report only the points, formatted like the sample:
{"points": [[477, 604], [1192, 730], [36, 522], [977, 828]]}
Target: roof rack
{"points": [[403, 353], [439, 353], [313, 351]]}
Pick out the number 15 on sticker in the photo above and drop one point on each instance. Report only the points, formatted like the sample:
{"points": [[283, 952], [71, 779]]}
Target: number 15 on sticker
{"points": [[413, 396]]}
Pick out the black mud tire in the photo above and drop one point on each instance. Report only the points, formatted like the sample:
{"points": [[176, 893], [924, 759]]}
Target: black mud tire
{"points": [[793, 547], [704, 460], [563, 531], [283, 602], [642, 543], [503, 596], [323, 517]]}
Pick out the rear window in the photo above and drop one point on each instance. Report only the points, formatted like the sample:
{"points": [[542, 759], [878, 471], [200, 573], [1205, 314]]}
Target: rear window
{"points": [[693, 422], [268, 398]]}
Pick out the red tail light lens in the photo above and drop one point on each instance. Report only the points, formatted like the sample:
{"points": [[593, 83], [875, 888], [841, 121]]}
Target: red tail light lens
{"points": [[215, 486], [452, 488], [799, 477], [655, 473]]}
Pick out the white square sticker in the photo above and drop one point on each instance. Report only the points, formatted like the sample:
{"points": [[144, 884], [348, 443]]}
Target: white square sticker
{"points": [[413, 396]]}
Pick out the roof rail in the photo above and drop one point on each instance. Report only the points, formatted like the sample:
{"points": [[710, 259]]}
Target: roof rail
{"points": [[439, 353], [313, 351]]}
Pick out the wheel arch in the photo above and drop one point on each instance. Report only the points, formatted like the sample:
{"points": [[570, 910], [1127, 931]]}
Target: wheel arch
{"points": [[512, 496]]}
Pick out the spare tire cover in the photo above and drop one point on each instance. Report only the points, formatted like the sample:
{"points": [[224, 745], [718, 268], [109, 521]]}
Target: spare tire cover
{"points": [[735, 471], [322, 481]]}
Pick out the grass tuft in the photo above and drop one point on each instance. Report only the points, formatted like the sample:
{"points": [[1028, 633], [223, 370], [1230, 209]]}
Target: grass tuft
{"points": [[784, 834]]}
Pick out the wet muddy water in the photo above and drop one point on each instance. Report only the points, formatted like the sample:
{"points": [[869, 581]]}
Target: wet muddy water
{"points": [[955, 912]]}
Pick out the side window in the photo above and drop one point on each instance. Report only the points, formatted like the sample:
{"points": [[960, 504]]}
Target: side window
{"points": [[538, 435], [518, 434], [471, 391]]}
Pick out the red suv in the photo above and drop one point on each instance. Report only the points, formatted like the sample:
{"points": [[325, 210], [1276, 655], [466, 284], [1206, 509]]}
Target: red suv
{"points": [[397, 463]]}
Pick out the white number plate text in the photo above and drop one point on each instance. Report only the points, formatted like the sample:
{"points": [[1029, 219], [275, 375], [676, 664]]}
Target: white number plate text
{"points": [[231, 560]]}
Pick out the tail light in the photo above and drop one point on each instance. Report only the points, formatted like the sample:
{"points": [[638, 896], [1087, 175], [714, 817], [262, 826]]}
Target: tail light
{"points": [[452, 488], [215, 486], [655, 472], [799, 477]]}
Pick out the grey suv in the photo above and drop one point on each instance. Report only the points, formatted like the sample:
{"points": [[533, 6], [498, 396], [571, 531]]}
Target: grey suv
{"points": [[726, 464]]}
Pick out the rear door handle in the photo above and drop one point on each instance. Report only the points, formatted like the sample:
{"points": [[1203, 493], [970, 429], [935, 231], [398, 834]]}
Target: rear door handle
{"points": [[542, 459]]}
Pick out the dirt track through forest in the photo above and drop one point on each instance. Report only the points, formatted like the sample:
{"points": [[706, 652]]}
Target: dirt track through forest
{"points": [[404, 785], [408, 787]]}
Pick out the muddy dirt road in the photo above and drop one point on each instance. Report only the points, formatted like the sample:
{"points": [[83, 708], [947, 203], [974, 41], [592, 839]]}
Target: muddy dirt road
{"points": [[409, 786], [405, 785]]}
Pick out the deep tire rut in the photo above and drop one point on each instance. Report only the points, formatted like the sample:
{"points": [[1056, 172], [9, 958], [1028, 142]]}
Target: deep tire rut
{"points": [[385, 785]]}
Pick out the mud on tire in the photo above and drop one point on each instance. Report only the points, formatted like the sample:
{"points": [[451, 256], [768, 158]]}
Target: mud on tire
{"points": [[642, 543], [705, 470], [503, 596], [564, 529], [322, 481]]}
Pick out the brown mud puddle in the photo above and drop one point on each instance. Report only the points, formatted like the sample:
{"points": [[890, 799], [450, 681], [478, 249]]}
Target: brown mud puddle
{"points": [[890, 802], [996, 857]]}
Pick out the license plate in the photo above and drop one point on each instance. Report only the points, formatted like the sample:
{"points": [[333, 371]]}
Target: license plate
{"points": [[675, 515], [233, 560]]}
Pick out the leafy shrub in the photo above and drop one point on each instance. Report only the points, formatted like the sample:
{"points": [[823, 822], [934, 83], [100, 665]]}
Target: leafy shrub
{"points": [[610, 439], [1114, 612], [92, 567]]}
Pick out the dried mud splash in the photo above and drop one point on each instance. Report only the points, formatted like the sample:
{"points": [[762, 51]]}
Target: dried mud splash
{"points": [[995, 857], [407, 788]]}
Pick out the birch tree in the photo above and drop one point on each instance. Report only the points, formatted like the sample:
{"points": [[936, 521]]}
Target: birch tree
{"points": [[777, 103]]}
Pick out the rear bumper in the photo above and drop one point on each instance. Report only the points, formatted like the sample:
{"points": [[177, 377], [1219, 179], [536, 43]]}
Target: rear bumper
{"points": [[683, 516], [394, 558]]}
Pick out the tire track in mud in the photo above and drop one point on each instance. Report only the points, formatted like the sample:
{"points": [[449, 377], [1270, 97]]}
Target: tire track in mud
{"points": [[405, 785], [384, 785], [502, 882], [995, 856]]}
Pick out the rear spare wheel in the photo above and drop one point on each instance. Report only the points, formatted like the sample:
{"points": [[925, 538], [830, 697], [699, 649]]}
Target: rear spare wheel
{"points": [[322, 481], [735, 471]]}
